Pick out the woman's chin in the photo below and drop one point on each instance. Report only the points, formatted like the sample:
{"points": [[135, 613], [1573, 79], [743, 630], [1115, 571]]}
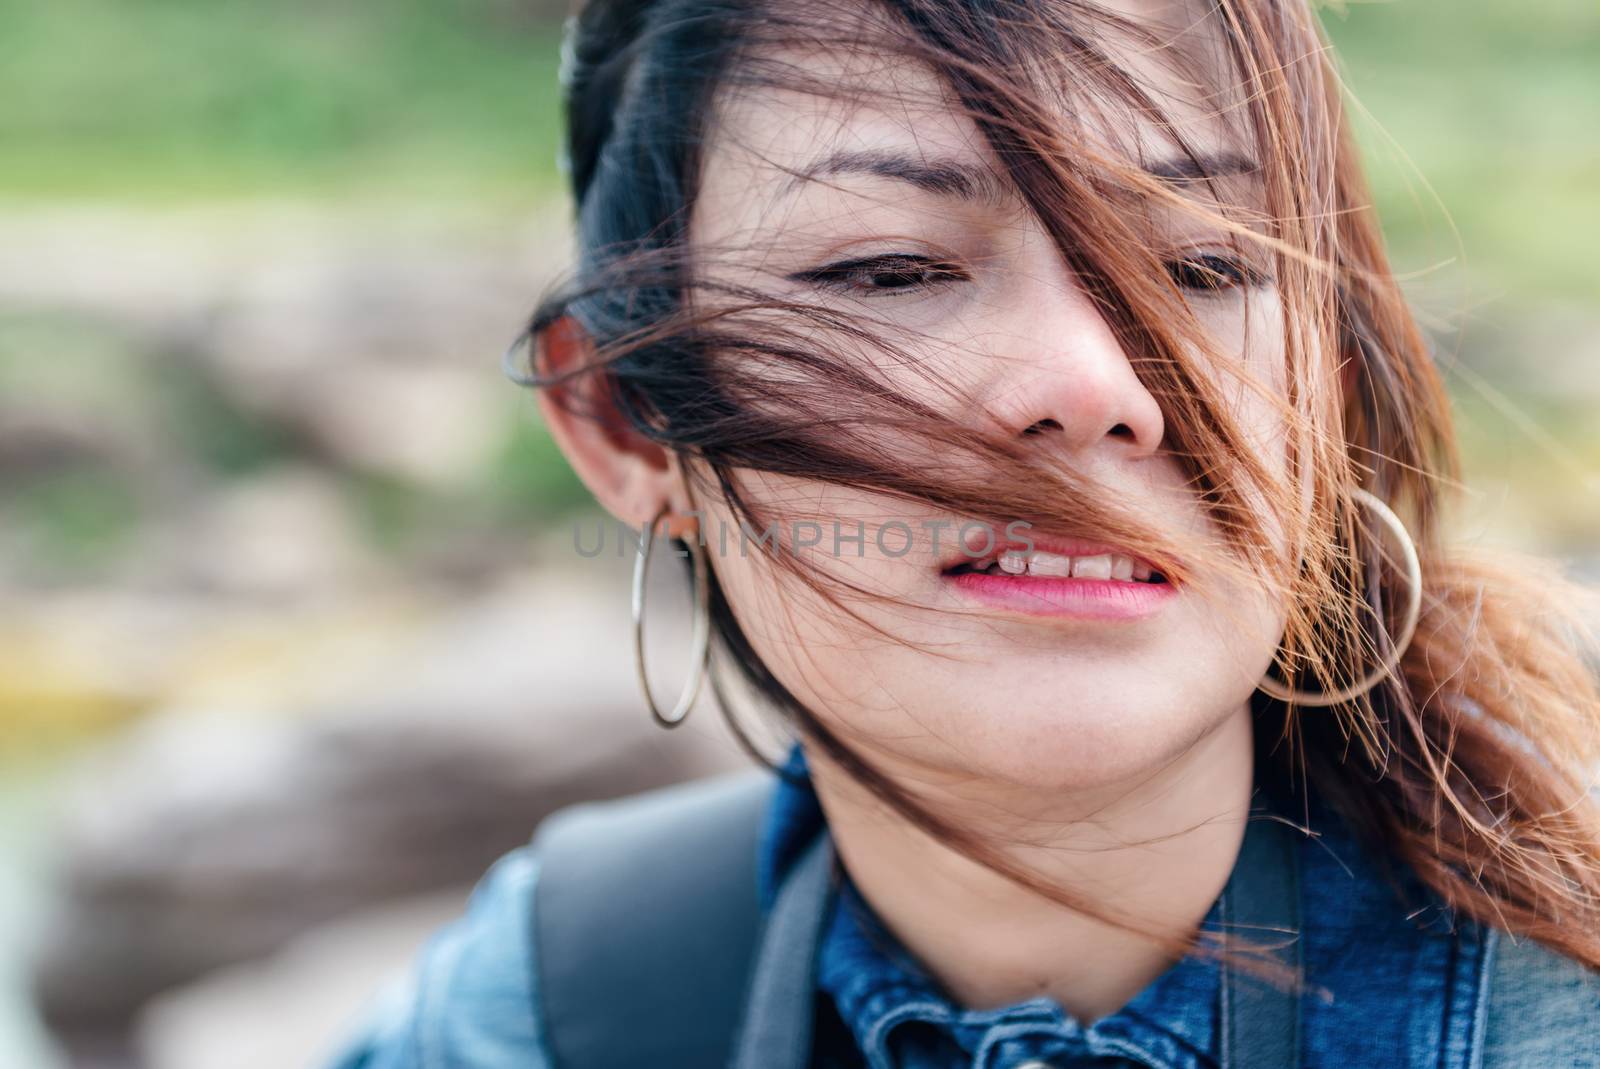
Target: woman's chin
{"points": [[1084, 743]]}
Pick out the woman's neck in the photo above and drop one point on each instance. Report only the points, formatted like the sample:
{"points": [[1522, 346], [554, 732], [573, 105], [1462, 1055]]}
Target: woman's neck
{"points": [[1157, 852]]}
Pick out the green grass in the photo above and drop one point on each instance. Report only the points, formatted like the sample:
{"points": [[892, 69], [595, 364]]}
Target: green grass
{"points": [[1533, 474], [182, 98], [1497, 107], [74, 521]]}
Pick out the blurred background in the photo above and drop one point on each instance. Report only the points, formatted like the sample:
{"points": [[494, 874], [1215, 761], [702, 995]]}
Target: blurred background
{"points": [[293, 641]]}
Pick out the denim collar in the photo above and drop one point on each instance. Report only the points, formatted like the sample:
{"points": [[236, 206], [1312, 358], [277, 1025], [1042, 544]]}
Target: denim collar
{"points": [[901, 1018]]}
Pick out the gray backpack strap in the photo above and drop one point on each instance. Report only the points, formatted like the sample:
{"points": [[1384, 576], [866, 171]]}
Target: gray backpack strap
{"points": [[645, 922], [1542, 1008], [777, 1029], [1261, 1021]]}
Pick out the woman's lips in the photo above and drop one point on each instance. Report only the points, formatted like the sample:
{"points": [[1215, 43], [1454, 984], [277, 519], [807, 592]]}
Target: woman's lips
{"points": [[1054, 577], [1042, 595]]}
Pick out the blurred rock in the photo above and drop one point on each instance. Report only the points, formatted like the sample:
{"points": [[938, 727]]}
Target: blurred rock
{"points": [[387, 276], [313, 984], [431, 425], [372, 329], [41, 438], [203, 839], [284, 532]]}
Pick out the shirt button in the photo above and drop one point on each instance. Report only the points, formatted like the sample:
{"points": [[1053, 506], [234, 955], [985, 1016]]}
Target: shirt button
{"points": [[1034, 1063]]}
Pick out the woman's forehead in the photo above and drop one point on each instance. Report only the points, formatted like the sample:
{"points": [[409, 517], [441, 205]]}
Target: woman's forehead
{"points": [[829, 113]]}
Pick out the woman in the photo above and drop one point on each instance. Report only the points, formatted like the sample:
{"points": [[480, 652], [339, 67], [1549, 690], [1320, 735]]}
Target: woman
{"points": [[1055, 455]]}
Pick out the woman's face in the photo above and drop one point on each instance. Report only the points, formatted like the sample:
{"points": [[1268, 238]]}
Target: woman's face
{"points": [[847, 201]]}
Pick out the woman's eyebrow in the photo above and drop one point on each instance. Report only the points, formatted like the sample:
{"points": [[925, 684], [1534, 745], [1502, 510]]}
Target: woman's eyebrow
{"points": [[944, 177], [1201, 167], [975, 182]]}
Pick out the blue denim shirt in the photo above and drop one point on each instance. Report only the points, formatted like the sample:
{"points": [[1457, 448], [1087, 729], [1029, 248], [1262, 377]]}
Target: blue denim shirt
{"points": [[1393, 982]]}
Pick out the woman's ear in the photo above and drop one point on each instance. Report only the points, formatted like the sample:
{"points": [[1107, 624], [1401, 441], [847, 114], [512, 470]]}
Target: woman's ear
{"points": [[630, 475]]}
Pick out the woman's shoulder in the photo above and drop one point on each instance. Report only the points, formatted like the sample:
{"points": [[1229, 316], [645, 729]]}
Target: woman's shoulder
{"points": [[1542, 1008], [468, 996]]}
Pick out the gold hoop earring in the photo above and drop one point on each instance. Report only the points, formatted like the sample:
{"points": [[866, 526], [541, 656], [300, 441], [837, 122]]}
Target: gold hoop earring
{"points": [[700, 643], [1408, 550]]}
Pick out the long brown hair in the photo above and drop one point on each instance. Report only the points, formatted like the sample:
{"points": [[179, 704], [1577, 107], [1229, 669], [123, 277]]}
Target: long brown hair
{"points": [[1472, 763]]}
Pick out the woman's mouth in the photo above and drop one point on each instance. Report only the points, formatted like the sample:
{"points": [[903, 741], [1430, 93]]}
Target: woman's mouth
{"points": [[1059, 566], [1081, 580]]}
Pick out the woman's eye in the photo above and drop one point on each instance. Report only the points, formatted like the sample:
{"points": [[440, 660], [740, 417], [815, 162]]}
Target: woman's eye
{"points": [[873, 275], [1208, 272]]}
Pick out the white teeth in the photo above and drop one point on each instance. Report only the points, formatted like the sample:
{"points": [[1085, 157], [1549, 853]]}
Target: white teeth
{"points": [[1049, 564], [1092, 567], [1055, 565]]}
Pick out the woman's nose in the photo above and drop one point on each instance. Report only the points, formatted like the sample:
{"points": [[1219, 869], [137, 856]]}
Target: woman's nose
{"points": [[1065, 376]]}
